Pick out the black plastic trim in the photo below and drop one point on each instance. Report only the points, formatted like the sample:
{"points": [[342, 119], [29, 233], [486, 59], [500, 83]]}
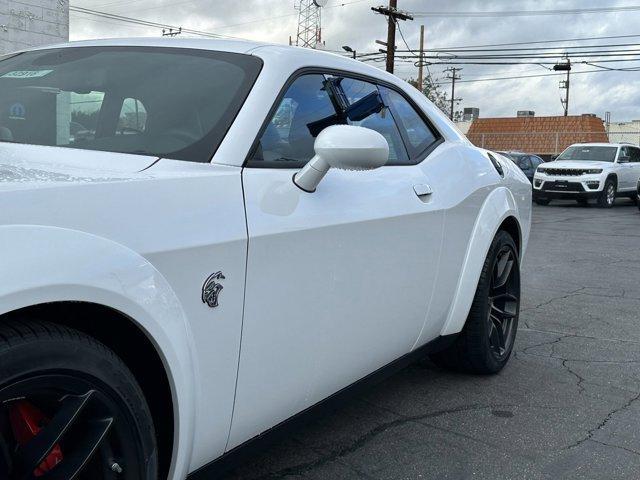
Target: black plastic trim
{"points": [[356, 76], [234, 457], [293, 179]]}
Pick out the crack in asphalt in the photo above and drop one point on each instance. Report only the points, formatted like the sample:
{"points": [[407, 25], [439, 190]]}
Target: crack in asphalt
{"points": [[553, 299], [603, 423], [577, 335], [364, 439], [619, 447]]}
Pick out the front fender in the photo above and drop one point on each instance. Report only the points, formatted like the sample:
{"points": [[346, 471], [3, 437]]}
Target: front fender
{"points": [[499, 205], [47, 264]]}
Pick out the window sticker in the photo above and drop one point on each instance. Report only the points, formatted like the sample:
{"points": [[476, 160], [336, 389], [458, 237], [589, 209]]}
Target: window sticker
{"points": [[26, 74], [17, 112]]}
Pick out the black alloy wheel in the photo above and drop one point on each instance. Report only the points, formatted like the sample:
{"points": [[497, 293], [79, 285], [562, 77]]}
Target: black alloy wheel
{"points": [[504, 300], [69, 409], [485, 343]]}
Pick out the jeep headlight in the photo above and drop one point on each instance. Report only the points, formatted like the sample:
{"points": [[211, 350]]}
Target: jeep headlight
{"points": [[540, 170], [593, 170]]}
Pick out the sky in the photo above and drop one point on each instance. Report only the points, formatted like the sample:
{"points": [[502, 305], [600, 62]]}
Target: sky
{"points": [[351, 22]]}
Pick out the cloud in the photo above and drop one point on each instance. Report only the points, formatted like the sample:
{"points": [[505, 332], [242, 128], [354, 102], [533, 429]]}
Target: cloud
{"points": [[357, 26]]}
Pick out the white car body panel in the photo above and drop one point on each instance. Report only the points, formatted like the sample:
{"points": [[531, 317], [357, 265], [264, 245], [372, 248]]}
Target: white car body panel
{"points": [[320, 289], [76, 266], [183, 240], [329, 275]]}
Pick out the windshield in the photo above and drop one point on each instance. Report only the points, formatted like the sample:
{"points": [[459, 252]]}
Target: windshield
{"points": [[589, 153], [165, 102]]}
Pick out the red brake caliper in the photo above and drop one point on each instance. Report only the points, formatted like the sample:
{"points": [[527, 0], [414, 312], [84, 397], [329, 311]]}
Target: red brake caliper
{"points": [[26, 423]]}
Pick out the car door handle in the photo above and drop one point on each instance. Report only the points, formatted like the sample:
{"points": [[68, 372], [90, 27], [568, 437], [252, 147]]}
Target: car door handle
{"points": [[422, 190]]}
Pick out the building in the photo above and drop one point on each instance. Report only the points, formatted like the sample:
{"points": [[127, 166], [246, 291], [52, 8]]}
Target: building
{"points": [[543, 136], [620, 132], [469, 114], [29, 23]]}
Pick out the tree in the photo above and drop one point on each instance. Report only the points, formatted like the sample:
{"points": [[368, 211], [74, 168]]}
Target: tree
{"points": [[433, 92]]}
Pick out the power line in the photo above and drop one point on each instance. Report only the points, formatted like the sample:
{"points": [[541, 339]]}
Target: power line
{"points": [[148, 23], [518, 77], [527, 13], [538, 42]]}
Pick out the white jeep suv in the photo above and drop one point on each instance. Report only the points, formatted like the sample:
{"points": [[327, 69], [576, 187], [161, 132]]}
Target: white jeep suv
{"points": [[601, 171]]}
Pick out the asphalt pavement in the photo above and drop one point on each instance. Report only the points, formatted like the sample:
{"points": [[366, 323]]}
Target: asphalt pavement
{"points": [[566, 406]]}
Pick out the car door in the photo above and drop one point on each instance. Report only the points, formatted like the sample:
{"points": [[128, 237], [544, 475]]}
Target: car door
{"points": [[339, 281], [625, 169], [634, 167]]}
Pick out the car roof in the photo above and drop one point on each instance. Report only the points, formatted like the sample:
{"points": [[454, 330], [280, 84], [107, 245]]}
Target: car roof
{"points": [[296, 57], [600, 144], [235, 46]]}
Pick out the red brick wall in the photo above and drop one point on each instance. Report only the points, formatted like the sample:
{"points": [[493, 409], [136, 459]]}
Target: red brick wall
{"points": [[539, 135]]}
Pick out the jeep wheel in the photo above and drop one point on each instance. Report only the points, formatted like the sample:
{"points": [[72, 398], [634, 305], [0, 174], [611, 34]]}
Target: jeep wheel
{"points": [[486, 341], [69, 408], [608, 196], [542, 201]]}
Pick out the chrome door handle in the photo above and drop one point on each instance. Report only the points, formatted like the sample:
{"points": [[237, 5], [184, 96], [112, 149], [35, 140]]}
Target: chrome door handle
{"points": [[422, 190]]}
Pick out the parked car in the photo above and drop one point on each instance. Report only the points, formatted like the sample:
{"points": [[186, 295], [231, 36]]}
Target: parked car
{"points": [[638, 194], [527, 163], [171, 295], [584, 171]]}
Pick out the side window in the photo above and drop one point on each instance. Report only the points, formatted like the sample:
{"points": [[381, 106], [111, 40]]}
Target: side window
{"points": [[525, 163], [418, 134], [624, 152], [133, 117], [635, 154], [288, 139], [379, 119]]}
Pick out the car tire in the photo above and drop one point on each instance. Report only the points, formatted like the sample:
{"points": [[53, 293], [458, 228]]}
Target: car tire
{"points": [[608, 196], [542, 201], [77, 392], [485, 343]]}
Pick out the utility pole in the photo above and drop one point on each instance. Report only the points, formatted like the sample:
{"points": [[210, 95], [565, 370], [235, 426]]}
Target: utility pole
{"points": [[564, 85], [393, 15], [453, 77], [421, 61]]}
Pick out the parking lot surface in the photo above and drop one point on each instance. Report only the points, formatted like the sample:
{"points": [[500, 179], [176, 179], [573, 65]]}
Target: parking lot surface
{"points": [[566, 406]]}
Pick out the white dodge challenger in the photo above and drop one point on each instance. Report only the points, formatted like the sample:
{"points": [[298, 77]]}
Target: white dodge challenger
{"points": [[203, 242]]}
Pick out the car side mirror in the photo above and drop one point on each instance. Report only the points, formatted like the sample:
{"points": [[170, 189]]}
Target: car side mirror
{"points": [[624, 159], [345, 147]]}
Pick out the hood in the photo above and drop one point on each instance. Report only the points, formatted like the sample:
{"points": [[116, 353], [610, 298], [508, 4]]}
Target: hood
{"points": [[577, 164], [33, 166]]}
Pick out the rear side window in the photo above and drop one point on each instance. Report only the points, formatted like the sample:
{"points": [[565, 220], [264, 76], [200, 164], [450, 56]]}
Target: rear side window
{"points": [[418, 134], [634, 154], [378, 118]]}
